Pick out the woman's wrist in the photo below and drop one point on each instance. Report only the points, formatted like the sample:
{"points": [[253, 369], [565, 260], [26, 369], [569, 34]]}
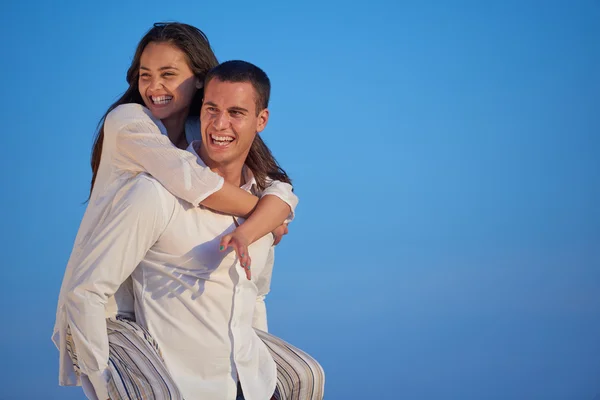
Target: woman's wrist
{"points": [[249, 231]]}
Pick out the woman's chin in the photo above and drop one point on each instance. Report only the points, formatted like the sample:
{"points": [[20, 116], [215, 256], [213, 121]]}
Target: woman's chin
{"points": [[160, 111]]}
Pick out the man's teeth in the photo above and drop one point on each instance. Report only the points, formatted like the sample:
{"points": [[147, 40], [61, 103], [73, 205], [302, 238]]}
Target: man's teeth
{"points": [[221, 140], [161, 99]]}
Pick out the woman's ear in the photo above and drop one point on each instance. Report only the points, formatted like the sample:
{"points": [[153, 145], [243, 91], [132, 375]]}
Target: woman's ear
{"points": [[199, 84]]}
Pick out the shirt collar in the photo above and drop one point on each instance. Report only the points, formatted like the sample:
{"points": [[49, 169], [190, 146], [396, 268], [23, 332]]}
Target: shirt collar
{"points": [[250, 185]]}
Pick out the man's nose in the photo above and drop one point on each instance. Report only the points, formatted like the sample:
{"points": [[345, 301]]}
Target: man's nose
{"points": [[221, 120]]}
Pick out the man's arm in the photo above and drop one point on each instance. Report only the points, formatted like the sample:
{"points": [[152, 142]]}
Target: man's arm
{"points": [[263, 285], [130, 227]]}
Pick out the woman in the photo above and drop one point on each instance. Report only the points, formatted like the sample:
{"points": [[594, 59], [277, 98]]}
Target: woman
{"points": [[132, 140], [178, 103]]}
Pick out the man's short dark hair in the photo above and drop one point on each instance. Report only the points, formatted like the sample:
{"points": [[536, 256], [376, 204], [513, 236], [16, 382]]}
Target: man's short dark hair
{"points": [[242, 71]]}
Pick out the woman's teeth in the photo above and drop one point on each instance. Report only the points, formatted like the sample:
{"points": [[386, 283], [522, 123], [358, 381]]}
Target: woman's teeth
{"points": [[161, 99]]}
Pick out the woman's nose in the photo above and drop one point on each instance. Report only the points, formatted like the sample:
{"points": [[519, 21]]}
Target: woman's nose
{"points": [[155, 84]]}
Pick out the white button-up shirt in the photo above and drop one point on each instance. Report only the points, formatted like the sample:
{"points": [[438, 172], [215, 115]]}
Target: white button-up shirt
{"points": [[134, 142], [196, 301]]}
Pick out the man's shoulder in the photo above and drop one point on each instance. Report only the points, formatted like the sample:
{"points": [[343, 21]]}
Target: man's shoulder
{"points": [[145, 181], [144, 191]]}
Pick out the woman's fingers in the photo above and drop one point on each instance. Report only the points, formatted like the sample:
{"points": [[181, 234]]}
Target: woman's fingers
{"points": [[225, 240], [241, 250], [278, 233], [244, 257], [247, 269]]}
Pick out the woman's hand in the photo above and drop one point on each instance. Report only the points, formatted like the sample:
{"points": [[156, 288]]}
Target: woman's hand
{"points": [[238, 240], [278, 233]]}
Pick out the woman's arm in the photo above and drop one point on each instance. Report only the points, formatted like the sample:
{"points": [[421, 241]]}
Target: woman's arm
{"points": [[134, 139], [270, 212], [232, 200], [136, 142], [277, 206]]}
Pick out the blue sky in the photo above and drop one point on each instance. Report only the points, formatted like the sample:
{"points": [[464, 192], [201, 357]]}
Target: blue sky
{"points": [[447, 241]]}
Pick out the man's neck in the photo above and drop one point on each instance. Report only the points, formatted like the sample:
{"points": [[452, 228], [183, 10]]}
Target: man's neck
{"points": [[232, 172]]}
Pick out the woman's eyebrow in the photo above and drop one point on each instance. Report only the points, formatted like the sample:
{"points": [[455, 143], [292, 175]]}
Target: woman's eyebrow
{"points": [[161, 68]]}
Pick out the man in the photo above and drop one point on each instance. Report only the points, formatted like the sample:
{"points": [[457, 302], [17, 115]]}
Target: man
{"points": [[199, 305]]}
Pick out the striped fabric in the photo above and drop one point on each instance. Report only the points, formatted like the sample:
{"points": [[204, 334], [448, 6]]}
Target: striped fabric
{"points": [[137, 370], [136, 367], [299, 376]]}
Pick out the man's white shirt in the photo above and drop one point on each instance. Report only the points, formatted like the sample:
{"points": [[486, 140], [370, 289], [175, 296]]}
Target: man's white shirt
{"points": [[195, 301], [132, 219]]}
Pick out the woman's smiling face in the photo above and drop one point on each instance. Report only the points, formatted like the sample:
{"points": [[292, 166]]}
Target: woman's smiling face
{"points": [[166, 82]]}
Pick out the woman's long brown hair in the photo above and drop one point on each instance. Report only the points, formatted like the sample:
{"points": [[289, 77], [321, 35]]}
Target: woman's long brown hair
{"points": [[194, 43], [189, 39]]}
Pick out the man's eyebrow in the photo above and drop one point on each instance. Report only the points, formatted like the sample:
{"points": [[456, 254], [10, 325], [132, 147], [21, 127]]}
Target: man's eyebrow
{"points": [[234, 108], [237, 108]]}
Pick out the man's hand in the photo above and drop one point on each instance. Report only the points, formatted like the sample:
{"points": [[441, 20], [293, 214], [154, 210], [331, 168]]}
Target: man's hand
{"points": [[238, 240], [278, 233]]}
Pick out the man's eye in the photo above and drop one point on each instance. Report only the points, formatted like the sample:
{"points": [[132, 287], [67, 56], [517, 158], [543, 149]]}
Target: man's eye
{"points": [[236, 113]]}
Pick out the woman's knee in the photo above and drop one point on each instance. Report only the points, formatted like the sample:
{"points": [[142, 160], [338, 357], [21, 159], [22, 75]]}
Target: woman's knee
{"points": [[310, 383]]}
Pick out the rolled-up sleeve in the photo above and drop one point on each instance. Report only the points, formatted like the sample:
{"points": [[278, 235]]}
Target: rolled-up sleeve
{"points": [[285, 192], [127, 230], [137, 143]]}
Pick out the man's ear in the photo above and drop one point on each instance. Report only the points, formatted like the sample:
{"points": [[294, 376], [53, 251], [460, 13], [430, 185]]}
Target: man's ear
{"points": [[263, 118]]}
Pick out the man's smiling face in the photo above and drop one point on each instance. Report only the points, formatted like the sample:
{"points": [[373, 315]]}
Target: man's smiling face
{"points": [[230, 121]]}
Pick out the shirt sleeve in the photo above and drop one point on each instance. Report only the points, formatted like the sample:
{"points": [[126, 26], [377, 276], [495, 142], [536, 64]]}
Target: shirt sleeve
{"points": [[138, 143], [263, 285], [285, 192], [127, 230]]}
